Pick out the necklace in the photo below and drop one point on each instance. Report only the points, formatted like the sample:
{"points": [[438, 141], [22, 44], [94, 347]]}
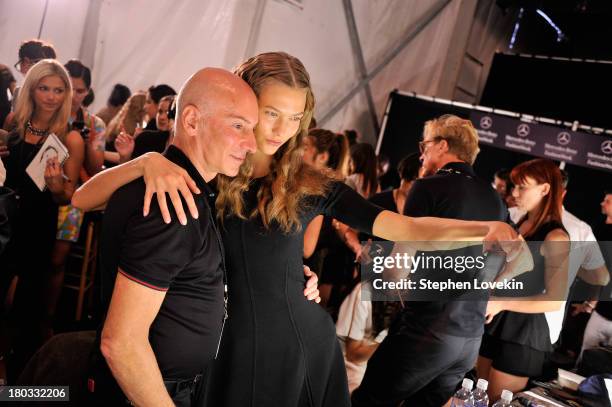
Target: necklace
{"points": [[35, 131], [453, 171]]}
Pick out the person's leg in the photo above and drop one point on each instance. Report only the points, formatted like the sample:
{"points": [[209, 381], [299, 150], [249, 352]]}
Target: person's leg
{"points": [[500, 381], [512, 368], [441, 389], [401, 366], [483, 366]]}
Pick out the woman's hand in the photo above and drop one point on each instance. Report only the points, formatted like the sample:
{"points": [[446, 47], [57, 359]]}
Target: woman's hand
{"points": [[124, 144], [493, 308], [54, 178], [311, 291], [164, 177]]}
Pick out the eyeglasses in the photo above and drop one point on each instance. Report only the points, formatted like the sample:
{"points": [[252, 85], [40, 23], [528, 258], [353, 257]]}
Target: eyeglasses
{"points": [[423, 144], [21, 61]]}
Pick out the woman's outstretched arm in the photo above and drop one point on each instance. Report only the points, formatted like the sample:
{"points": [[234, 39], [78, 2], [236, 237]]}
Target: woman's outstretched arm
{"points": [[160, 175]]}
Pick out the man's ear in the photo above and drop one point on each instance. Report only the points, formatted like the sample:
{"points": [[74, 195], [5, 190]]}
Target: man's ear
{"points": [[444, 147], [189, 120]]}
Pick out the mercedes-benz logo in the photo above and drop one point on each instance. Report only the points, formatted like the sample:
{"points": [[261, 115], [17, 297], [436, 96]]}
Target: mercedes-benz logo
{"points": [[522, 130], [486, 122], [564, 138], [606, 147]]}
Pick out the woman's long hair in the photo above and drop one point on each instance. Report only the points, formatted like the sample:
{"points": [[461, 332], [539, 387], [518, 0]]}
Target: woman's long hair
{"points": [[542, 171], [334, 144], [364, 162], [25, 102], [130, 114], [282, 191]]}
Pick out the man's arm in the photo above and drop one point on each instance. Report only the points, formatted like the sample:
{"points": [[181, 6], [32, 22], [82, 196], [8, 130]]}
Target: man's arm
{"points": [[125, 342], [599, 276]]}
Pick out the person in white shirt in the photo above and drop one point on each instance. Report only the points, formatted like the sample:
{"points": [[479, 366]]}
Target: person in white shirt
{"points": [[361, 327], [586, 260]]}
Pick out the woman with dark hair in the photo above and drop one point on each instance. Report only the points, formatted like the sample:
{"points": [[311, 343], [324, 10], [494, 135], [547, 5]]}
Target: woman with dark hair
{"points": [[42, 109], [324, 149], [363, 170], [119, 95], [277, 347], [324, 252], [154, 95], [130, 147], [7, 85], [517, 339], [91, 127]]}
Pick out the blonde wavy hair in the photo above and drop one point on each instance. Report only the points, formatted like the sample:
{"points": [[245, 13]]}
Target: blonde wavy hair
{"points": [[24, 110], [131, 113], [459, 133], [282, 192]]}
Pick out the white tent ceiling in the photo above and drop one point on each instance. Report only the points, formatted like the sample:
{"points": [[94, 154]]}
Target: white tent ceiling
{"points": [[416, 45]]}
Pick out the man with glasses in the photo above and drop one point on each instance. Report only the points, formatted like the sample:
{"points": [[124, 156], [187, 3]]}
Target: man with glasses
{"points": [[30, 52], [431, 345]]}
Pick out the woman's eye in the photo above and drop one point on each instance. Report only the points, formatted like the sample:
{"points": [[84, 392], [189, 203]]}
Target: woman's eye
{"points": [[296, 118], [272, 114], [238, 126]]}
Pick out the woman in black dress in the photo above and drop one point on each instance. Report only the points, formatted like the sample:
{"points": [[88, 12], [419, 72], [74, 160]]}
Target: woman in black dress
{"points": [[278, 348], [43, 108], [517, 338]]}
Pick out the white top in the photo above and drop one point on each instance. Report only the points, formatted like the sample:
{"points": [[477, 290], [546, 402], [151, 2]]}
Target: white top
{"points": [[2, 174], [355, 322], [585, 253]]}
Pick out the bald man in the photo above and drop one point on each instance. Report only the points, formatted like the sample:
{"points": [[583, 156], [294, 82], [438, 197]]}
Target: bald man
{"points": [[163, 283]]}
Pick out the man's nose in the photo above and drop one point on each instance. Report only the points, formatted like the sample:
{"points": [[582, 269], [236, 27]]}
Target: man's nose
{"points": [[249, 142]]}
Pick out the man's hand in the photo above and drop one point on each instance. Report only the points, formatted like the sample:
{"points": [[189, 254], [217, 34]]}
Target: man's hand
{"points": [[4, 152], [312, 290]]}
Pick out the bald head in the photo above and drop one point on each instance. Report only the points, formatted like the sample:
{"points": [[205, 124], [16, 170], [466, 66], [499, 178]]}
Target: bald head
{"points": [[216, 116], [212, 88]]}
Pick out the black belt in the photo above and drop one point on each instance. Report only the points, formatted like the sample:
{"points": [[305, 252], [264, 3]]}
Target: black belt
{"points": [[176, 386]]}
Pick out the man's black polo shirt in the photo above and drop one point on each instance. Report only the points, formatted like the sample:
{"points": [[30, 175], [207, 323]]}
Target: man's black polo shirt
{"points": [[184, 261], [454, 192]]}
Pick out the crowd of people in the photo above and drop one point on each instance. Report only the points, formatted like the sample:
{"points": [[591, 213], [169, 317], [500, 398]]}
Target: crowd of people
{"points": [[232, 242]]}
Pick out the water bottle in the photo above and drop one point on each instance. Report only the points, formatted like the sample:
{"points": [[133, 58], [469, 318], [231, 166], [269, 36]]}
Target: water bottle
{"points": [[463, 397], [506, 399], [481, 399]]}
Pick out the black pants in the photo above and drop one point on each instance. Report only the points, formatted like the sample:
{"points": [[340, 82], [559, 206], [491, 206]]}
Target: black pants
{"points": [[419, 367], [184, 393]]}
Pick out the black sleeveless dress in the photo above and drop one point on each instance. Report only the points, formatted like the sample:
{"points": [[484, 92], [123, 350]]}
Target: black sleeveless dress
{"points": [[278, 348], [529, 331]]}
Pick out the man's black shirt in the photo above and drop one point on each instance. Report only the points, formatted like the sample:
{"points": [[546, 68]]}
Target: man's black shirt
{"points": [[455, 192], [184, 261], [150, 140]]}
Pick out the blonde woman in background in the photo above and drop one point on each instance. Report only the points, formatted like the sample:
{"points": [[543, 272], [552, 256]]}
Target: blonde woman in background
{"points": [[129, 120], [43, 108]]}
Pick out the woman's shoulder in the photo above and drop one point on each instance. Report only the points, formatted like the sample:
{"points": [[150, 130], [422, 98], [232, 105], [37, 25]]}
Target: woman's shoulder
{"points": [[73, 140]]}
